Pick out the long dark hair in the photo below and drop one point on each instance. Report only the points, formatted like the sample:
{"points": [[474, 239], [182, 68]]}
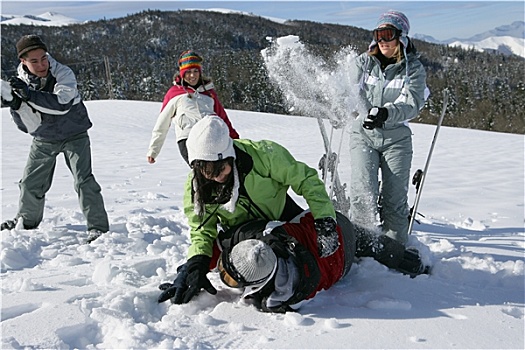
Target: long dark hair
{"points": [[207, 191]]}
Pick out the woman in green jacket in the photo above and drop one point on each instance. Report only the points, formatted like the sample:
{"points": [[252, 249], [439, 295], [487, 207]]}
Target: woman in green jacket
{"points": [[392, 84], [234, 181]]}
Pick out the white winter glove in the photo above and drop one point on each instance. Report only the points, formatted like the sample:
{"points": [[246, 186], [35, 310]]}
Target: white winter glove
{"points": [[6, 91]]}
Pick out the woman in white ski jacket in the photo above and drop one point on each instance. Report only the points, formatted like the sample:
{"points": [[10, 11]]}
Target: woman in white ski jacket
{"points": [[392, 84], [191, 98]]}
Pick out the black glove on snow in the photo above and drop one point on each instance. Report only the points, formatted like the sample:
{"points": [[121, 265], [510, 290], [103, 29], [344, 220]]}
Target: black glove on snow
{"points": [[281, 309], [198, 268], [376, 118], [20, 88], [327, 237], [411, 264], [175, 290]]}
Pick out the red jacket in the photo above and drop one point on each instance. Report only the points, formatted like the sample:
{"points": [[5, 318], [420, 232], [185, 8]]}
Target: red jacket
{"points": [[331, 268]]}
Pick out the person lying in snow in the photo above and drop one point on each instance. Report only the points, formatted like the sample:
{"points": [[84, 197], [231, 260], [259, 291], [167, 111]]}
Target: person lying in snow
{"points": [[278, 263], [235, 181]]}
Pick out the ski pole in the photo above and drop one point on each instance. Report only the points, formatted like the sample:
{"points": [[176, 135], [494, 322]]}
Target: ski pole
{"points": [[424, 175], [326, 146], [335, 174], [341, 202]]}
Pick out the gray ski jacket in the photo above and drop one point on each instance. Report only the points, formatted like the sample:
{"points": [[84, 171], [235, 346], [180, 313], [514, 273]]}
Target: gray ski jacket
{"points": [[54, 110], [401, 88]]}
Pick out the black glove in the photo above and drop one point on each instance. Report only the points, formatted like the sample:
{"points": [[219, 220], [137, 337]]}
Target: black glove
{"points": [[14, 103], [7, 97], [279, 247], [327, 237], [411, 264], [175, 290], [375, 118], [281, 309], [20, 88], [198, 268]]}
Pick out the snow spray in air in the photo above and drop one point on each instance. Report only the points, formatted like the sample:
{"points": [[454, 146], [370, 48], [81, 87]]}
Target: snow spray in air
{"points": [[324, 90], [311, 86]]}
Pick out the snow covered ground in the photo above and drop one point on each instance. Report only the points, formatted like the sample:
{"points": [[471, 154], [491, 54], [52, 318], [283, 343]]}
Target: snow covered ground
{"points": [[59, 294]]}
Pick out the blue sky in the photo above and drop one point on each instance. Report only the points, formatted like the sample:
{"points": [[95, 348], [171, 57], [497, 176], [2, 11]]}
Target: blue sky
{"points": [[440, 19]]}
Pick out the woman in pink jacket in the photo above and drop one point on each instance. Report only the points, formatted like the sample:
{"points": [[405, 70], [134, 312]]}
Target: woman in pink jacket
{"points": [[191, 98]]}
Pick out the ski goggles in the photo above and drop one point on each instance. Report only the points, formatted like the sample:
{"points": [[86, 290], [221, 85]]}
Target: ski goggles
{"points": [[386, 34], [230, 276]]}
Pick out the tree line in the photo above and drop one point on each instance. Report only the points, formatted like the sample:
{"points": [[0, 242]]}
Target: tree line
{"points": [[487, 89]]}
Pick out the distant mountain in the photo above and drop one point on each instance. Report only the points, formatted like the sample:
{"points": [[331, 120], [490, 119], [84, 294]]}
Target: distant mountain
{"points": [[56, 20], [46, 19], [228, 11], [427, 38], [515, 30], [503, 44], [506, 39]]}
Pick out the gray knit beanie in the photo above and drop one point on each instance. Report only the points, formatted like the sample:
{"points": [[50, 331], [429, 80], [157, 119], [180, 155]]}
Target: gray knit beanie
{"points": [[398, 20], [253, 259]]}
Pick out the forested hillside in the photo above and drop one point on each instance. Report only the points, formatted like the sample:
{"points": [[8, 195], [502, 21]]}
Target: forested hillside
{"points": [[135, 58]]}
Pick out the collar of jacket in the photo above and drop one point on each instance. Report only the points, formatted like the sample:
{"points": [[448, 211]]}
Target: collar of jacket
{"points": [[244, 164], [243, 161], [28, 77], [207, 85], [37, 83]]}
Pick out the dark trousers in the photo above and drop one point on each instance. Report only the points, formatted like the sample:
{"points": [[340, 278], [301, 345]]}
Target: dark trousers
{"points": [[349, 240], [382, 248]]}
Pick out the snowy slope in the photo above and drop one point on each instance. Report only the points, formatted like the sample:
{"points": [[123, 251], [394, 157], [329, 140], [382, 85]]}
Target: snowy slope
{"points": [[507, 39], [50, 19], [504, 44], [58, 294]]}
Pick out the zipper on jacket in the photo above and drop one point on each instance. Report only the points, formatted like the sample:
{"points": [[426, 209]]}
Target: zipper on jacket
{"points": [[243, 192], [208, 217]]}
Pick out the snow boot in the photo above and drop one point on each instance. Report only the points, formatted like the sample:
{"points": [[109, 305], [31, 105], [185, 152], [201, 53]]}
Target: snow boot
{"points": [[411, 264], [93, 234]]}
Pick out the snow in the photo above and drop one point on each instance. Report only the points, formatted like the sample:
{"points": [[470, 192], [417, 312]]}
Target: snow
{"points": [[508, 39], [58, 293]]}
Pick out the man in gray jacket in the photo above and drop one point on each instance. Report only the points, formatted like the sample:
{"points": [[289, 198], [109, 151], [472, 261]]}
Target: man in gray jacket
{"points": [[44, 102]]}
